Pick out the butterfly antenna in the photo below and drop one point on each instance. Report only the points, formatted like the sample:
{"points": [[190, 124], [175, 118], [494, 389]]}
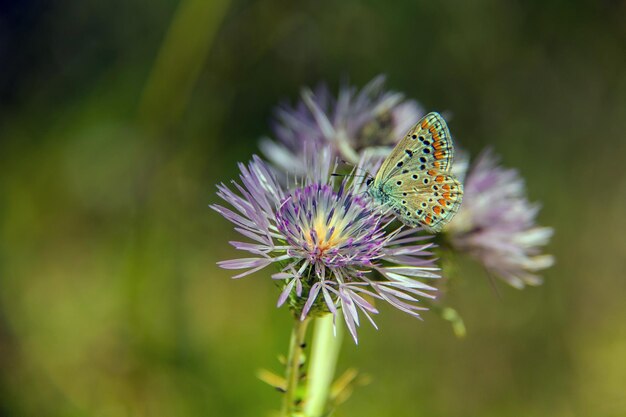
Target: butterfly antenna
{"points": [[335, 174], [357, 167]]}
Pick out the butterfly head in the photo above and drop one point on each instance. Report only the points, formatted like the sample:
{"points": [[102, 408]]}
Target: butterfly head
{"points": [[376, 192]]}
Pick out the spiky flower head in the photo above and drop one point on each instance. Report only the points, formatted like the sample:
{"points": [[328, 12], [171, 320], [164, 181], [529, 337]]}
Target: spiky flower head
{"points": [[497, 224], [354, 123], [331, 250]]}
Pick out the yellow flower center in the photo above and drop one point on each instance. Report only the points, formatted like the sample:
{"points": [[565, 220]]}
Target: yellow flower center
{"points": [[326, 239]]}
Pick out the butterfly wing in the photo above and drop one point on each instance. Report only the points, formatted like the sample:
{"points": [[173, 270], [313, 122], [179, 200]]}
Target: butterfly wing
{"points": [[428, 142], [428, 198], [415, 176]]}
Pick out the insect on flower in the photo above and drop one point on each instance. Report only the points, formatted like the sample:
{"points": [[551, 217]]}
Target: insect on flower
{"points": [[415, 179], [334, 250]]}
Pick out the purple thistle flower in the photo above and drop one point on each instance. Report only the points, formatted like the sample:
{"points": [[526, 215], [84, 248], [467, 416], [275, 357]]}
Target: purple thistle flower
{"points": [[371, 120], [333, 250], [496, 224]]}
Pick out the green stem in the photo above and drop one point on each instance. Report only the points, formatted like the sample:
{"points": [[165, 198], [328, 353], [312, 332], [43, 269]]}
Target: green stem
{"points": [[292, 375], [324, 355]]}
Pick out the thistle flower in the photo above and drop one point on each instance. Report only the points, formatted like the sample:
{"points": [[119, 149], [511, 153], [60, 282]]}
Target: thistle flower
{"points": [[334, 252], [496, 224], [371, 120]]}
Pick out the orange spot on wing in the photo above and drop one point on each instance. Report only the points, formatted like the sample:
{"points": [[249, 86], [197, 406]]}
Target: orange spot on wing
{"points": [[439, 178], [436, 137], [437, 210], [441, 201], [432, 130], [425, 124], [428, 219], [432, 172], [436, 164], [439, 154], [446, 196], [445, 186], [437, 145]]}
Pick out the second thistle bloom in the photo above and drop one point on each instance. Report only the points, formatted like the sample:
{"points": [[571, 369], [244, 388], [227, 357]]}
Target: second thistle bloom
{"points": [[334, 252], [355, 123], [496, 224]]}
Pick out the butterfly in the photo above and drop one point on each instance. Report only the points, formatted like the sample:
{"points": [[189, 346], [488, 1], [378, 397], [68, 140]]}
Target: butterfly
{"points": [[415, 179]]}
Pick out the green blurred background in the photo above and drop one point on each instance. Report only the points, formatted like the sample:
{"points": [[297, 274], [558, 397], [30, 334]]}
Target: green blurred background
{"points": [[117, 118]]}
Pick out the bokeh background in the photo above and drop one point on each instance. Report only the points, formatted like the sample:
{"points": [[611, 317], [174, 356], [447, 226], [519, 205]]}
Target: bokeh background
{"points": [[117, 119]]}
